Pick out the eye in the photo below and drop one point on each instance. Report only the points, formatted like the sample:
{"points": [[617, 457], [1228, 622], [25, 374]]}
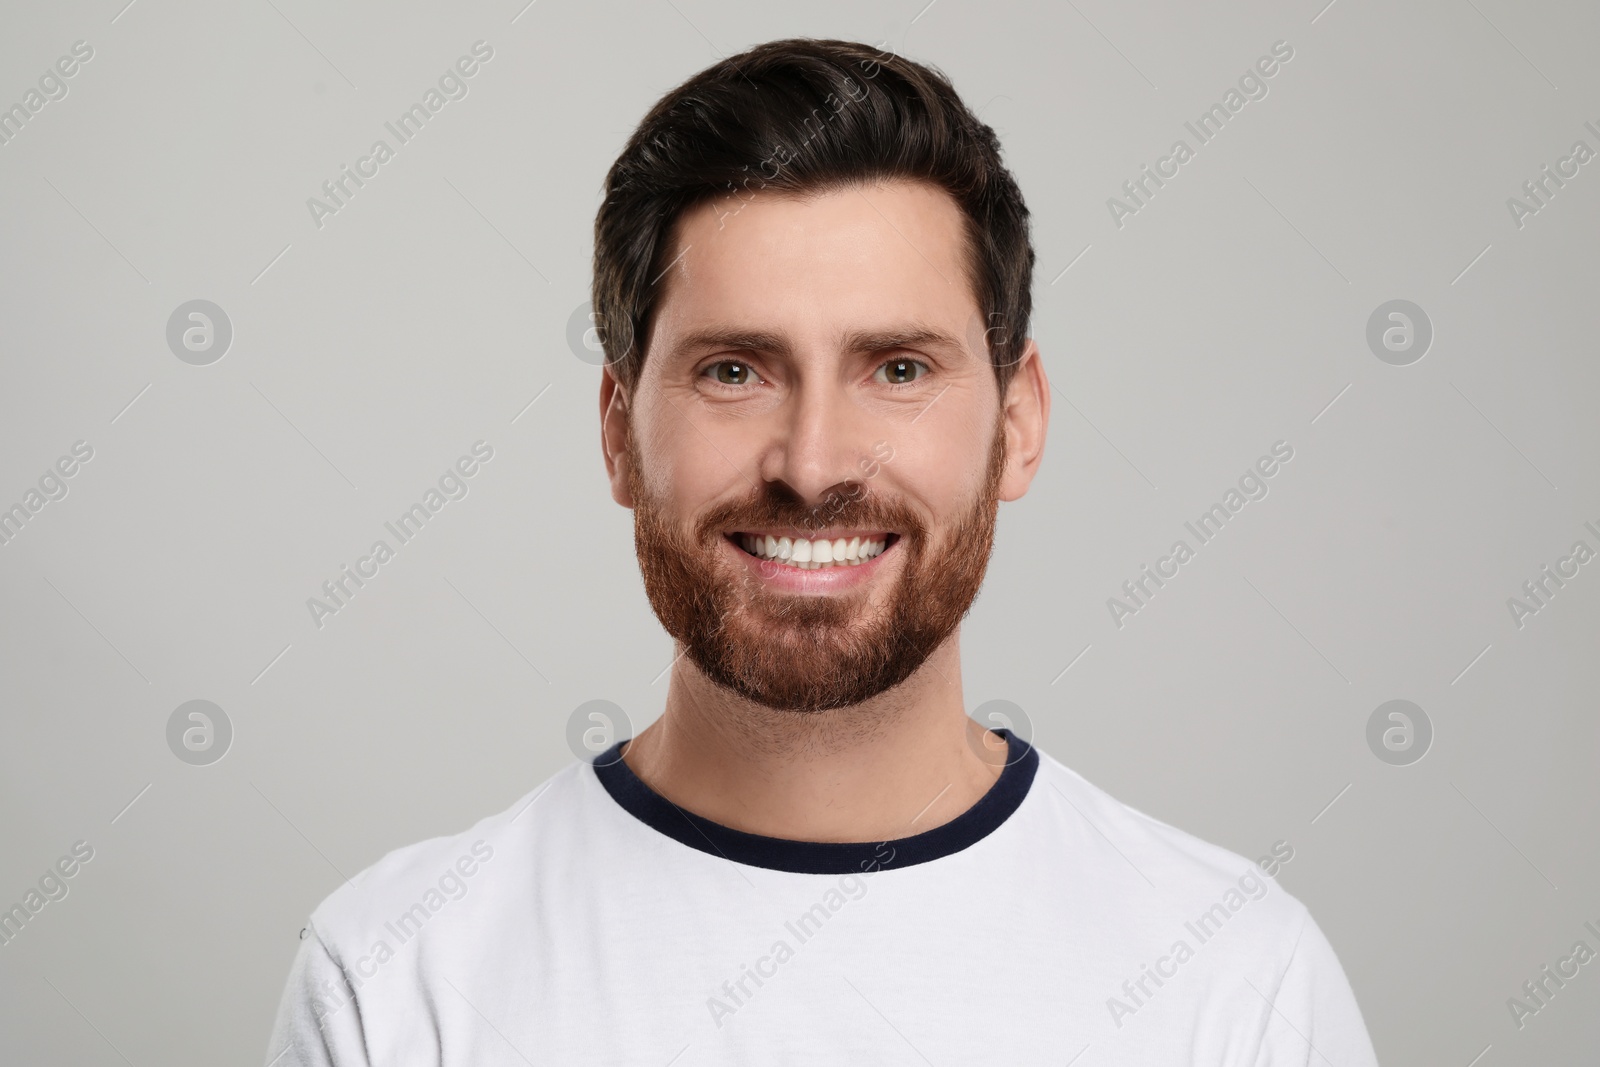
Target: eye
{"points": [[731, 373], [901, 371]]}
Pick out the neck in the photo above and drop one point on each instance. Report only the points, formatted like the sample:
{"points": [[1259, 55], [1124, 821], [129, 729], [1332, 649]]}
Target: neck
{"points": [[899, 764]]}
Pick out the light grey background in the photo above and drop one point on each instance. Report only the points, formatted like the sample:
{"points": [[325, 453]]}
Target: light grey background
{"points": [[368, 354]]}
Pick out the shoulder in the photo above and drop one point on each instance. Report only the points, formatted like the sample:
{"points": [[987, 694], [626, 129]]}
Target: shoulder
{"points": [[442, 880], [1171, 870], [1157, 902]]}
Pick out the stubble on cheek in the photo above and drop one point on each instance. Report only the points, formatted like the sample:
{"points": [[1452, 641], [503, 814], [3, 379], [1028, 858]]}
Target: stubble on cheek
{"points": [[811, 653], [699, 588]]}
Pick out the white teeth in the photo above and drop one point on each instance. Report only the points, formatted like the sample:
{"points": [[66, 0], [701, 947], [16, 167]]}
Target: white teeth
{"points": [[806, 554]]}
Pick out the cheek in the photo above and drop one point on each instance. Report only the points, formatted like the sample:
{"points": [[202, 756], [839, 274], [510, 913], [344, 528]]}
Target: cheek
{"points": [[695, 470], [941, 472], [682, 473]]}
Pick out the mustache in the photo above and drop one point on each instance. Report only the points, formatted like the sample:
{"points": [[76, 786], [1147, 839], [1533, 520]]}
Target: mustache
{"points": [[774, 505]]}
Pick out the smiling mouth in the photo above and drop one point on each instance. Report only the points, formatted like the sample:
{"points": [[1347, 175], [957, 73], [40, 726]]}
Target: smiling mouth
{"points": [[804, 553]]}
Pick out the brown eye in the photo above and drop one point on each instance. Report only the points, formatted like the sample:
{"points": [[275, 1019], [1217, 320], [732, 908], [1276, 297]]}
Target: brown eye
{"points": [[730, 373], [903, 371]]}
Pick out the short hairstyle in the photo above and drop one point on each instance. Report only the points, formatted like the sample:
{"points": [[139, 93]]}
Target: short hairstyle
{"points": [[805, 116]]}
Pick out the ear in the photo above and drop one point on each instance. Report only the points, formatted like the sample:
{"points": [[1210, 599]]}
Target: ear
{"points": [[614, 430], [1025, 419]]}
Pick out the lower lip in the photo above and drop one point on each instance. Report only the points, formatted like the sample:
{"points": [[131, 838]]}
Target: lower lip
{"points": [[819, 580]]}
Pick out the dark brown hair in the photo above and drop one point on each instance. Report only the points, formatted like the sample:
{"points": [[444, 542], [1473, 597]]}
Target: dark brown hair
{"points": [[805, 116]]}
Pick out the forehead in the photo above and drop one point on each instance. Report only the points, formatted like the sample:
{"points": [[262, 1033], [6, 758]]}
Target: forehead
{"points": [[857, 257]]}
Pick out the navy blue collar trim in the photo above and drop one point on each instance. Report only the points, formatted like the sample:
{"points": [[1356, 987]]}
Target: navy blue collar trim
{"points": [[822, 857]]}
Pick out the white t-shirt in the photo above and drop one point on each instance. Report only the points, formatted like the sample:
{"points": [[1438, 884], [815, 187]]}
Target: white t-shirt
{"points": [[596, 923]]}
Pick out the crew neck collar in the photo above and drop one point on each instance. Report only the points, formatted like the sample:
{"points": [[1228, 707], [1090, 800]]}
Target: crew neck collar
{"points": [[823, 857]]}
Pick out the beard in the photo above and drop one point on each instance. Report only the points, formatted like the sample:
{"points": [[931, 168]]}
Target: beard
{"points": [[813, 653]]}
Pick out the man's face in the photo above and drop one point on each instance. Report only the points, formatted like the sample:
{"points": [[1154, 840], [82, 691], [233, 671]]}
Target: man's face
{"points": [[816, 380]]}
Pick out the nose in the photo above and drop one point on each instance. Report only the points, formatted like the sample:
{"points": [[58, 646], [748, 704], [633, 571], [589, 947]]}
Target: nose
{"points": [[819, 437]]}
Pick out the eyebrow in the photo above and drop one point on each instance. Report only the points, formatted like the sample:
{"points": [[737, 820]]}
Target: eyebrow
{"points": [[855, 341]]}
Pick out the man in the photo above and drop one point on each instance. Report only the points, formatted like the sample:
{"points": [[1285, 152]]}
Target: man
{"points": [[812, 276]]}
